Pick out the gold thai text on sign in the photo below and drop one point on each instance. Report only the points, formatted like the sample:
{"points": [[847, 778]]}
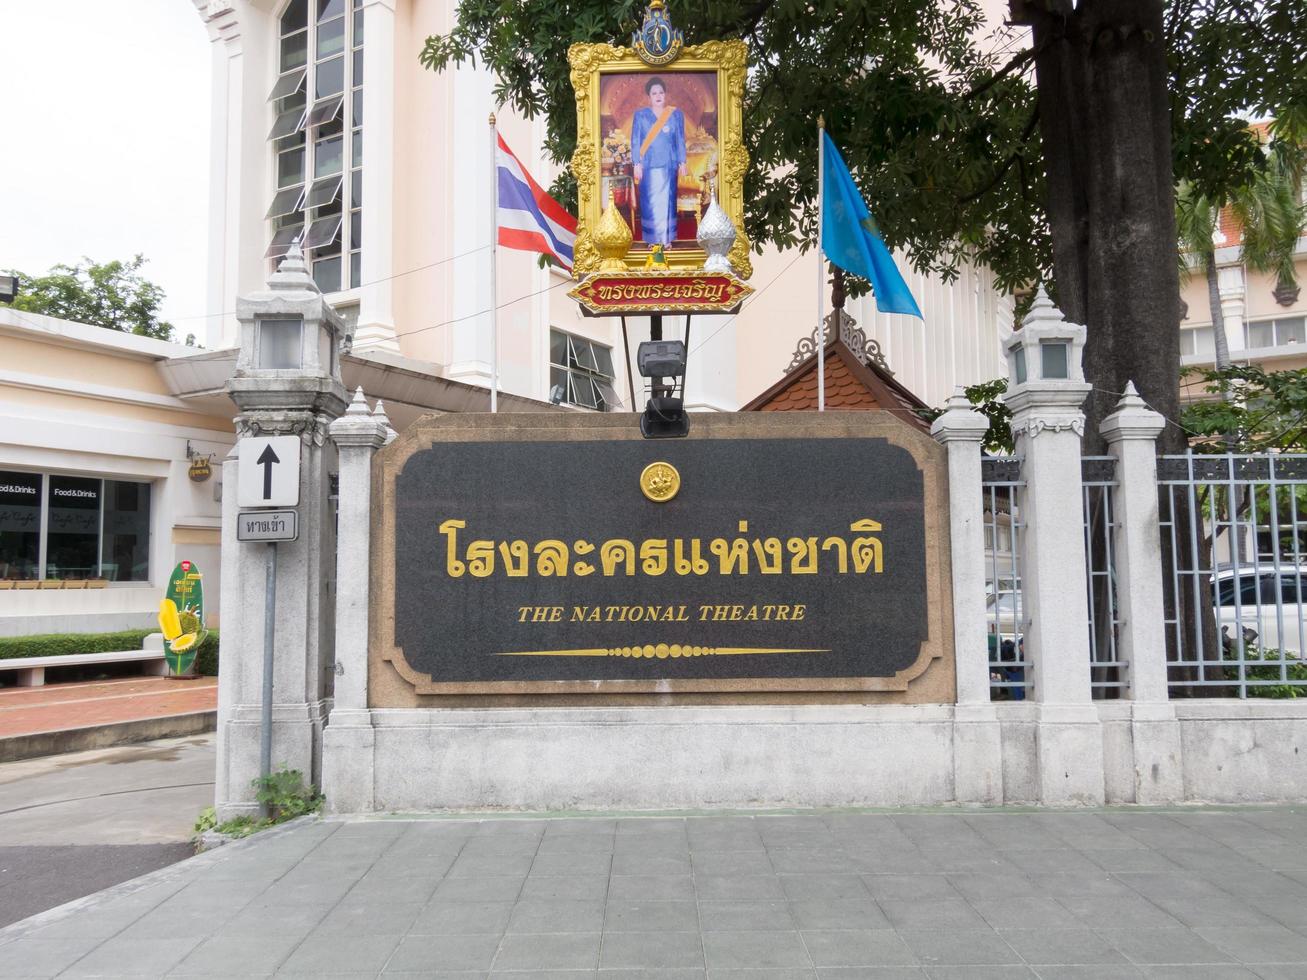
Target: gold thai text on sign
{"points": [[859, 552]]}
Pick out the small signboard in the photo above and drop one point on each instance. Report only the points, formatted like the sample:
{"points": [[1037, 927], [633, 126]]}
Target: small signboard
{"points": [[267, 525], [181, 619], [679, 291], [269, 472]]}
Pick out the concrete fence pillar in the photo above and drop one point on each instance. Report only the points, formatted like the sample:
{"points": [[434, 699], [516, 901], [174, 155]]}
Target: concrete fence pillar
{"points": [[1045, 392], [977, 745], [1131, 433], [347, 741]]}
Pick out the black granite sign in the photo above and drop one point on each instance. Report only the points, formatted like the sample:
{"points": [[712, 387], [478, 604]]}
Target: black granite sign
{"points": [[545, 561]]}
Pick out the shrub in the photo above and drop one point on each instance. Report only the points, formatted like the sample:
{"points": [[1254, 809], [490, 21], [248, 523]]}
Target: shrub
{"points": [[63, 644]]}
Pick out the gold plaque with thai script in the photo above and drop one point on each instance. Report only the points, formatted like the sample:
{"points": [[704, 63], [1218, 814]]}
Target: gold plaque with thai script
{"points": [[637, 293]]}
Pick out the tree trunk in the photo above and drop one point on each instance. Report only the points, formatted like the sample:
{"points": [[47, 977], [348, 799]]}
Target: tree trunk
{"points": [[1101, 73], [1105, 123], [1219, 339]]}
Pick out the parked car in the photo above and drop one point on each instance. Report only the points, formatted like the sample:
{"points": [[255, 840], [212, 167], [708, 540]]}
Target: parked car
{"points": [[1270, 603]]}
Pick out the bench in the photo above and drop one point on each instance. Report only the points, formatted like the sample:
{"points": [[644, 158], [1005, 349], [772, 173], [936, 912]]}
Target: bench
{"points": [[31, 670]]}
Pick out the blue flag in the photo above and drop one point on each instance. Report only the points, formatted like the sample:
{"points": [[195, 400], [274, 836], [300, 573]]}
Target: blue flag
{"points": [[849, 239]]}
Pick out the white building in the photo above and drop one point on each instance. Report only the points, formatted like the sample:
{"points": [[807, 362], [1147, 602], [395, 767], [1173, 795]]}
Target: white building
{"points": [[326, 126]]}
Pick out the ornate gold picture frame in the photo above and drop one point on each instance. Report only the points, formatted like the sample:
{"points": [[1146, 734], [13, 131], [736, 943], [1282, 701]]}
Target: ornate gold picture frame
{"points": [[598, 72]]}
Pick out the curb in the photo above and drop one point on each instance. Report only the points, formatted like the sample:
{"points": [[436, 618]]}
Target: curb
{"points": [[38, 920], [17, 747]]}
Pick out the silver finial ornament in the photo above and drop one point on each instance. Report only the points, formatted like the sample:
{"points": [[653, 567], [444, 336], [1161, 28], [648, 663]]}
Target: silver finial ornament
{"points": [[716, 236]]}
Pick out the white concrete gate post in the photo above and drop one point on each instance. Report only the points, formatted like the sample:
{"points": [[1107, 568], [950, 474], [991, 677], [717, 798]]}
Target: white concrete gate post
{"points": [[348, 740], [977, 742], [286, 383], [1131, 433], [1046, 390]]}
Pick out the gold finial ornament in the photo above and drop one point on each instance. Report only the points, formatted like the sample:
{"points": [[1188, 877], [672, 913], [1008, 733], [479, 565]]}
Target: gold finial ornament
{"points": [[612, 238], [660, 482]]}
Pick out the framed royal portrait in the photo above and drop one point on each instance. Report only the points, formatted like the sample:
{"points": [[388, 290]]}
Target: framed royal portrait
{"points": [[657, 141]]}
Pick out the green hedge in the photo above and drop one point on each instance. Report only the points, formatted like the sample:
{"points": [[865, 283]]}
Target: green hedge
{"points": [[61, 644]]}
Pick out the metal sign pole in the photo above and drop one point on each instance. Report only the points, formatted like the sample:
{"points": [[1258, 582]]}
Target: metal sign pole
{"points": [[269, 629]]}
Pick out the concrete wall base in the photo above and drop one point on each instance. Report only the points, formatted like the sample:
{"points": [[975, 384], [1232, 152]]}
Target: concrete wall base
{"points": [[391, 760], [297, 744]]}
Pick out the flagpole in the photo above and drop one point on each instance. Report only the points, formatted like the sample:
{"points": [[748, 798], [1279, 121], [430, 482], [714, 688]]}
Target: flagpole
{"points": [[821, 272], [494, 281]]}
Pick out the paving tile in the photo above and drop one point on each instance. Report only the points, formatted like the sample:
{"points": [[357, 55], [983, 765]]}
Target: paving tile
{"points": [[745, 887], [651, 888], [1217, 971], [948, 913], [548, 915], [1130, 859], [1117, 971], [1008, 971], [1164, 946], [795, 973], [959, 947], [624, 915], [755, 950], [857, 947], [577, 888], [451, 953], [1266, 944], [731, 863], [1065, 861], [462, 918], [1213, 912], [1083, 886], [814, 860], [32, 957], [838, 913], [478, 866], [723, 841], [651, 825], [652, 973], [987, 887], [651, 951], [341, 953], [581, 827], [1067, 946], [733, 916], [512, 827], [379, 885], [803, 886], [566, 951], [909, 888], [571, 864], [368, 918], [495, 889], [898, 860], [638, 863], [577, 844], [1127, 912], [230, 955], [1027, 913]]}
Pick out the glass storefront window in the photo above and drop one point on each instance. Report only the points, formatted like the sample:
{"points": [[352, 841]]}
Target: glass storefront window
{"points": [[73, 528], [20, 525], [125, 549]]}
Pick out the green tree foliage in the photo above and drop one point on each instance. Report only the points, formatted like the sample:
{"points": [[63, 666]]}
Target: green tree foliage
{"points": [[987, 399], [108, 294], [936, 118], [1268, 411], [1270, 213]]}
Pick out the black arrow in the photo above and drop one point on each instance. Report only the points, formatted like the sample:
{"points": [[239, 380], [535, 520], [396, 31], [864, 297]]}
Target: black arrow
{"points": [[266, 459]]}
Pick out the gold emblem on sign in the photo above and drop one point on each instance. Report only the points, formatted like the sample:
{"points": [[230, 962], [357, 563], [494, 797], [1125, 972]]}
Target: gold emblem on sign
{"points": [[660, 482]]}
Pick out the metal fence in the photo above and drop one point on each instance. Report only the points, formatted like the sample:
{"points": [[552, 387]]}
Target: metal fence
{"points": [[1002, 487], [1006, 608], [1234, 536], [1098, 481]]}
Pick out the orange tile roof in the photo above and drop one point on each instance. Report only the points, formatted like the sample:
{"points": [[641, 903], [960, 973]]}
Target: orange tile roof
{"points": [[850, 386]]}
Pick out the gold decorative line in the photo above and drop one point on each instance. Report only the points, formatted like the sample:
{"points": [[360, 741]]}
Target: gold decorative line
{"points": [[660, 651]]}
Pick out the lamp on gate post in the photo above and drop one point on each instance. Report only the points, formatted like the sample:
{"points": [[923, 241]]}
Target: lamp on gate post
{"points": [[8, 288], [1047, 348], [664, 415]]}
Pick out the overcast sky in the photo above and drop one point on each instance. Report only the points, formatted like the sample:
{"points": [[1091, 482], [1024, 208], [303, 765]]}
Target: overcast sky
{"points": [[104, 136]]}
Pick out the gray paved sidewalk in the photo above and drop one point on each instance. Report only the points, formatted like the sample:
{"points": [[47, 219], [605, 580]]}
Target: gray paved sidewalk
{"points": [[1198, 894]]}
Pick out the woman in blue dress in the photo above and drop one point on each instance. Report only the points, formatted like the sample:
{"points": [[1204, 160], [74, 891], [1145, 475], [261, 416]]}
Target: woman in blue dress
{"points": [[658, 152]]}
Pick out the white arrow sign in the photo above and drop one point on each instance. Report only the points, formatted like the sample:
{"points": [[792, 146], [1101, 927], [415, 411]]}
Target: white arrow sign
{"points": [[269, 472]]}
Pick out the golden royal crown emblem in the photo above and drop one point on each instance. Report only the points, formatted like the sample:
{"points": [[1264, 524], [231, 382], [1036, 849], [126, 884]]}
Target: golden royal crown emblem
{"points": [[660, 482]]}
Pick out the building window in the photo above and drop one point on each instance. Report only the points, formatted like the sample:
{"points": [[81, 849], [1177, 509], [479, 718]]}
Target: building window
{"points": [[1197, 340], [73, 527], [316, 139], [1276, 333], [580, 372]]}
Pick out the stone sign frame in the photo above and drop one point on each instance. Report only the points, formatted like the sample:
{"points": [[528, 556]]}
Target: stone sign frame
{"points": [[393, 682]]}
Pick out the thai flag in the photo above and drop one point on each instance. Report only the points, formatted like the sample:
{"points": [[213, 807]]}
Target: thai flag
{"points": [[529, 219]]}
